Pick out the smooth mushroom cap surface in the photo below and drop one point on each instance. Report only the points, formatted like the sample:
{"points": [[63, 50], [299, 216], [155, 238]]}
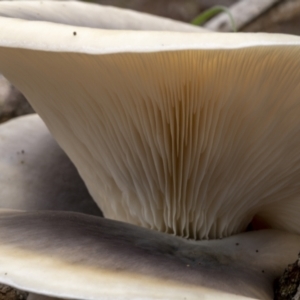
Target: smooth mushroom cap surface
{"points": [[91, 15], [35, 174], [186, 133], [77, 256]]}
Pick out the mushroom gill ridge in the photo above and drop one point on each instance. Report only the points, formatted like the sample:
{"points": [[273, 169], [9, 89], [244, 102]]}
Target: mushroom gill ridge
{"points": [[190, 142]]}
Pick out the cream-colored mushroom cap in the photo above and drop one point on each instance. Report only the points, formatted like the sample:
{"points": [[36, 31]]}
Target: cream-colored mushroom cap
{"points": [[186, 133], [77, 256], [35, 174], [91, 15]]}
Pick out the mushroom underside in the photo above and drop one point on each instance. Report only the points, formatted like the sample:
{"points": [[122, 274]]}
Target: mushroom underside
{"points": [[194, 142], [67, 255]]}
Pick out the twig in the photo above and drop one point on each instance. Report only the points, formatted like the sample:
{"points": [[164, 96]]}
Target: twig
{"points": [[243, 12]]}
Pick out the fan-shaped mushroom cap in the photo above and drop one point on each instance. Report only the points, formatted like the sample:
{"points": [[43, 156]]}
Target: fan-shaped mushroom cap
{"points": [[35, 174], [90, 15], [83, 257], [191, 134]]}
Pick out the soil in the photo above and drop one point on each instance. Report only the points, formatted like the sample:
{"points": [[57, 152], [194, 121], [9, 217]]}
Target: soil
{"points": [[287, 287], [9, 293]]}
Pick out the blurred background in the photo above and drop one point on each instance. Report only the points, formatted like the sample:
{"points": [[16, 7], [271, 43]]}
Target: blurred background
{"points": [[278, 16], [183, 10]]}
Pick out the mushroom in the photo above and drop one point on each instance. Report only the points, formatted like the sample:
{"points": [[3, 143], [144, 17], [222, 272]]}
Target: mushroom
{"points": [[163, 128], [35, 173], [91, 15], [154, 139], [77, 256]]}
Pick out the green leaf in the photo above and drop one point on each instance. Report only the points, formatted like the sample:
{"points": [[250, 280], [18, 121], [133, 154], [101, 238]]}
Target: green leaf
{"points": [[211, 12]]}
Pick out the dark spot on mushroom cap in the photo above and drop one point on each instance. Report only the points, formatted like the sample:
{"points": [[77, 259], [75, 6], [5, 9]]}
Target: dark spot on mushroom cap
{"points": [[237, 244], [74, 33], [256, 251]]}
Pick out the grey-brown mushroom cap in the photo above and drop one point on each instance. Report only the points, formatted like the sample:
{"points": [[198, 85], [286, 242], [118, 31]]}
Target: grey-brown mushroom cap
{"points": [[191, 134], [90, 15], [35, 174], [84, 257]]}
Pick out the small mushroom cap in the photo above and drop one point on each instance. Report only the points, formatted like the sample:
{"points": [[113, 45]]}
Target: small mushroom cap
{"points": [[91, 15], [77, 256], [35, 173], [186, 133]]}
